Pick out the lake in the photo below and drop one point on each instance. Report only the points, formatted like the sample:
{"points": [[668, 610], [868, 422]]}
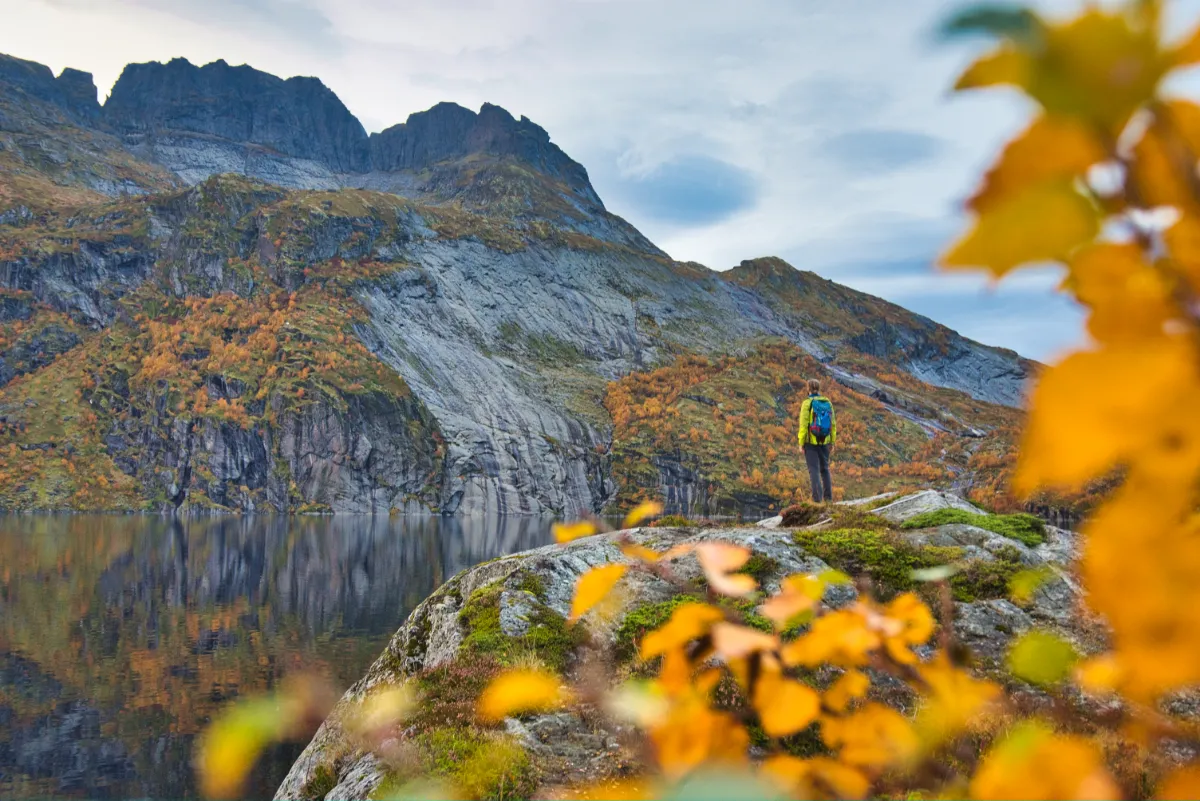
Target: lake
{"points": [[120, 636]]}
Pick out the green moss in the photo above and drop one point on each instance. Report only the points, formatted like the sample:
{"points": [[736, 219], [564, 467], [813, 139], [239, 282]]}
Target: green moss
{"points": [[746, 608], [319, 783], [981, 580], [642, 620], [883, 556], [672, 521], [760, 566], [1023, 528], [548, 637], [479, 765]]}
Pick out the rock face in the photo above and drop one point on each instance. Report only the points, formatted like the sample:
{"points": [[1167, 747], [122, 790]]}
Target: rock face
{"points": [[493, 282], [436, 633], [298, 117], [73, 91], [449, 131]]}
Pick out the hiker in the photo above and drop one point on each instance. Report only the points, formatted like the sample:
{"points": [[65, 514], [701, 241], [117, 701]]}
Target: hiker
{"points": [[818, 432]]}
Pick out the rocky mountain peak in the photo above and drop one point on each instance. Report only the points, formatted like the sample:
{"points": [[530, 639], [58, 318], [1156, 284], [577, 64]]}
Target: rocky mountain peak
{"points": [[298, 117], [449, 131], [72, 91]]}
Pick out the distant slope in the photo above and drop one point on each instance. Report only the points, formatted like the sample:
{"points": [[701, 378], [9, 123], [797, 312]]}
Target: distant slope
{"points": [[451, 336]]}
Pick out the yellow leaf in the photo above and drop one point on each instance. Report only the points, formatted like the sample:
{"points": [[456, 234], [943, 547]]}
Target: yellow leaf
{"points": [[520, 691], [850, 685], [909, 623], [383, 710], [566, 532], [874, 736], [688, 622], [1032, 762], [1141, 565], [1164, 168], [232, 744], [1040, 657], [1181, 784], [694, 734], [815, 778], [954, 701], [593, 586], [717, 560], [784, 706], [841, 638], [635, 789], [734, 642], [797, 594], [1051, 149], [1006, 65], [1024, 584], [1042, 223], [1100, 674], [639, 552], [641, 512], [1101, 66], [1075, 430]]}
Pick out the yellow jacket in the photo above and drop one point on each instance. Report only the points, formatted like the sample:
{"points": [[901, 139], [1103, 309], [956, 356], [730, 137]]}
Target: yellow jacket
{"points": [[806, 419]]}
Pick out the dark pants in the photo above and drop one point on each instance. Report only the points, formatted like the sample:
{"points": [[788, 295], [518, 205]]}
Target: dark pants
{"points": [[817, 457]]}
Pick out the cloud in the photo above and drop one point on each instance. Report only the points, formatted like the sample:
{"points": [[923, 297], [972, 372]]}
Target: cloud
{"points": [[291, 19], [877, 150], [689, 191]]}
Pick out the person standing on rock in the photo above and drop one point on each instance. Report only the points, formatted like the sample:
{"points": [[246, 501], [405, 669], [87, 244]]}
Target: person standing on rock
{"points": [[818, 432]]}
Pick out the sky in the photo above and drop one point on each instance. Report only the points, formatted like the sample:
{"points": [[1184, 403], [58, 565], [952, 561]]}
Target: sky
{"points": [[820, 131]]}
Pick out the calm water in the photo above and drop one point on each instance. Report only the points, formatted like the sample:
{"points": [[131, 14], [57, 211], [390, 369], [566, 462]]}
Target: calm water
{"points": [[120, 636]]}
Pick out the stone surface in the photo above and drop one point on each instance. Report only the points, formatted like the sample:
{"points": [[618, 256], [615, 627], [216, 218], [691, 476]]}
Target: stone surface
{"points": [[582, 750], [910, 506]]}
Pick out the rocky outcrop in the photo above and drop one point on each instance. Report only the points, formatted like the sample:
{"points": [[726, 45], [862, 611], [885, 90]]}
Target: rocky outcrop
{"points": [[73, 91], [449, 131], [298, 117], [534, 589]]}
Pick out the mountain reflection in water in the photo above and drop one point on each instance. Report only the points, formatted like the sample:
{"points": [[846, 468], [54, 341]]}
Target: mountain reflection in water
{"points": [[121, 636]]}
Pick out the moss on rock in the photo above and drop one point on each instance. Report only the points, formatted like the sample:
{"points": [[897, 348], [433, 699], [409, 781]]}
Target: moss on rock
{"points": [[643, 619], [322, 780], [549, 637], [1024, 528]]}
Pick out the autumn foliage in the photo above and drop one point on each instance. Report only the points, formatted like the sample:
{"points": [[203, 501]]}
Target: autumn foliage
{"points": [[1102, 182]]}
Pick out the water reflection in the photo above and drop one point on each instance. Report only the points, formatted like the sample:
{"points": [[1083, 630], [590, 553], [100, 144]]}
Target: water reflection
{"points": [[120, 636]]}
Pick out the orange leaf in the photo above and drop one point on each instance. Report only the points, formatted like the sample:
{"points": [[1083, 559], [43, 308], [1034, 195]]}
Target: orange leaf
{"points": [[734, 642], [1072, 436], [874, 736], [1032, 762], [1128, 297], [566, 532], [639, 552], [520, 691], [718, 559], [1051, 149], [850, 685], [688, 622], [1042, 223], [1180, 785], [593, 586], [816, 778], [784, 706], [1188, 51]]}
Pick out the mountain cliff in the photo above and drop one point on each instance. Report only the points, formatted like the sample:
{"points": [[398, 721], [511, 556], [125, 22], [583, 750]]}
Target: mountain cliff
{"points": [[217, 291]]}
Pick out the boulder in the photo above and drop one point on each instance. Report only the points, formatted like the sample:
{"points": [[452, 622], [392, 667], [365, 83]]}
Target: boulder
{"points": [[516, 606]]}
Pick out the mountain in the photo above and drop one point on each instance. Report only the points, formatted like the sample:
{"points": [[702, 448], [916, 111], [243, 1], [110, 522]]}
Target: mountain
{"points": [[218, 292]]}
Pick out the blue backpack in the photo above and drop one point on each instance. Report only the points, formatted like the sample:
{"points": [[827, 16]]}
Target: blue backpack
{"points": [[822, 420]]}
